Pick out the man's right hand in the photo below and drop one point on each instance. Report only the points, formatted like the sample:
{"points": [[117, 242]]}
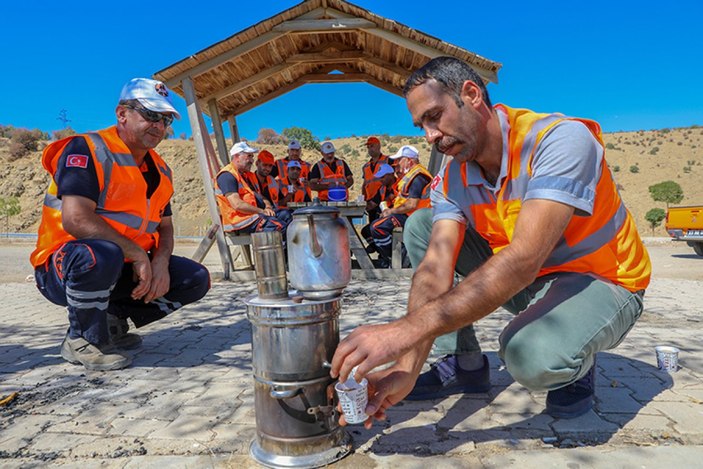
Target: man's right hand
{"points": [[141, 266], [269, 212]]}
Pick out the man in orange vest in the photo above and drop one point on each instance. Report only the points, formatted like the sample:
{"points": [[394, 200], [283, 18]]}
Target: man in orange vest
{"points": [[292, 188], [410, 195], [371, 184], [267, 184], [106, 235], [528, 212], [239, 197], [280, 170], [330, 172]]}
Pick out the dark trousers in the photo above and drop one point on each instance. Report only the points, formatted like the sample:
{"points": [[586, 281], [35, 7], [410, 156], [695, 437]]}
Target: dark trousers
{"points": [[265, 223], [382, 233], [91, 279]]}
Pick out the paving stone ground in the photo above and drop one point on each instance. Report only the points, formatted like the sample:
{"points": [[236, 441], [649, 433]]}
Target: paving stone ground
{"points": [[187, 400]]}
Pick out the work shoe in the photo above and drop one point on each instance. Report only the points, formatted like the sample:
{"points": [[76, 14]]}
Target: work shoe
{"points": [[119, 337], [445, 378], [93, 357], [574, 399]]}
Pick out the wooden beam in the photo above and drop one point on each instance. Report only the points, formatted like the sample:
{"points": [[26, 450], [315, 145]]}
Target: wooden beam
{"points": [[428, 52], [323, 25], [334, 77], [219, 135], [252, 80], [331, 57], [224, 57], [202, 141], [233, 129], [268, 97]]}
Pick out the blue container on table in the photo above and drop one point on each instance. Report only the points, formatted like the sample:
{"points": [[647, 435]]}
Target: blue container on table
{"points": [[337, 194]]}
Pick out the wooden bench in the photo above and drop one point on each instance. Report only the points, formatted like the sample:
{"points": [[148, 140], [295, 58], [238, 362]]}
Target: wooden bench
{"points": [[244, 242]]}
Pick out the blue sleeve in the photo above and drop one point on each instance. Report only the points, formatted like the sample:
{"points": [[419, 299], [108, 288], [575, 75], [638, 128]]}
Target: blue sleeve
{"points": [[417, 186], [75, 172], [566, 167], [227, 183]]}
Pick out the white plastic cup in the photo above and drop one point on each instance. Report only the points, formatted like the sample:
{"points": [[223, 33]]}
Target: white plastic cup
{"points": [[353, 398], [383, 205], [667, 358], [291, 188]]}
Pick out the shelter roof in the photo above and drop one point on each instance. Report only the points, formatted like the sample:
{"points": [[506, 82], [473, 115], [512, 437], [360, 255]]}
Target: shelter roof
{"points": [[316, 41]]}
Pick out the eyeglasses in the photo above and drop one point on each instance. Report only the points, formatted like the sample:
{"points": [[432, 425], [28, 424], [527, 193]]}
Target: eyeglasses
{"points": [[151, 116]]}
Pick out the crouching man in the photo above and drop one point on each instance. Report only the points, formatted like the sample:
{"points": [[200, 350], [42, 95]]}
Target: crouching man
{"points": [[106, 235]]}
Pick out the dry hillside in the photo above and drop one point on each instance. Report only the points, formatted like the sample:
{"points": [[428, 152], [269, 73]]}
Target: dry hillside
{"points": [[638, 160]]}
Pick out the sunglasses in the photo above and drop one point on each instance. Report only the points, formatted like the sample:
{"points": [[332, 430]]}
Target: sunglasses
{"points": [[152, 116]]}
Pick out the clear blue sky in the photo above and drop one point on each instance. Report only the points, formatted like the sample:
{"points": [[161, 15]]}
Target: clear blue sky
{"points": [[630, 65]]}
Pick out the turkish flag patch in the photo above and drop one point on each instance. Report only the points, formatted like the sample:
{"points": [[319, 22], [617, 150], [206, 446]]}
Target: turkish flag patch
{"points": [[435, 182], [77, 161]]}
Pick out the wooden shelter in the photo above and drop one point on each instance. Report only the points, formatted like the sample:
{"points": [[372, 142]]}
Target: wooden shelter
{"points": [[316, 41]]}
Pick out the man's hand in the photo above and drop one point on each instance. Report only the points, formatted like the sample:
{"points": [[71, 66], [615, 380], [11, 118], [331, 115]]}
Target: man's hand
{"points": [[372, 346], [160, 280], [141, 266], [269, 212], [386, 213]]}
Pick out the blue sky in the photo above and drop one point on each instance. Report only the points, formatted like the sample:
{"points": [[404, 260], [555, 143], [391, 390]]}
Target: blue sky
{"points": [[630, 65]]}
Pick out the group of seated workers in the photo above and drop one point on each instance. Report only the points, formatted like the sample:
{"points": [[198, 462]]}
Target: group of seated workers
{"points": [[393, 188]]}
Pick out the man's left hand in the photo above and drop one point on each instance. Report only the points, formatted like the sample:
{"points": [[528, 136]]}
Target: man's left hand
{"points": [[160, 281]]}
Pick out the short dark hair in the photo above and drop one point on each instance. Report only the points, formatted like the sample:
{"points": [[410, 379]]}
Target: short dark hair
{"points": [[450, 73]]}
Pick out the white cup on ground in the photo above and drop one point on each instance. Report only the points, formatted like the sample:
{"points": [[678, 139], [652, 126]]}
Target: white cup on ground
{"points": [[353, 398], [667, 358]]}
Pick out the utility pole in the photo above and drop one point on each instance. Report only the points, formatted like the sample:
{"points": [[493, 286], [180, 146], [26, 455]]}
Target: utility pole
{"points": [[63, 117]]}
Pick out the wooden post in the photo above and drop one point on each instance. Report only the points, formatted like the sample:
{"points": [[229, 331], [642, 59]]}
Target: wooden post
{"points": [[233, 129], [219, 135], [202, 142]]}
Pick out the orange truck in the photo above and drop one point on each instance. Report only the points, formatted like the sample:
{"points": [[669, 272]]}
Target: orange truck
{"points": [[686, 224]]}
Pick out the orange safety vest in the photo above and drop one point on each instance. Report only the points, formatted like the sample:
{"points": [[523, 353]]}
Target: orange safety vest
{"points": [[403, 188], [372, 184], [327, 175], [605, 244], [282, 166], [122, 202], [232, 219], [273, 187], [300, 191]]}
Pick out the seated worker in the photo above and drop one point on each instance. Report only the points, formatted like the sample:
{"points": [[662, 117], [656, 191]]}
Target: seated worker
{"points": [[371, 183], [292, 188], [412, 193], [270, 188], [384, 197], [329, 172], [105, 243], [242, 207], [280, 170]]}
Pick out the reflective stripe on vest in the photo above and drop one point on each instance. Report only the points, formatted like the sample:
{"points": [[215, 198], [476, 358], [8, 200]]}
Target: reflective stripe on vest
{"points": [[403, 188]]}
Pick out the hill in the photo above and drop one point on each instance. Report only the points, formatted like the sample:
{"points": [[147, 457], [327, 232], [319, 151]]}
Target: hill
{"points": [[637, 159]]}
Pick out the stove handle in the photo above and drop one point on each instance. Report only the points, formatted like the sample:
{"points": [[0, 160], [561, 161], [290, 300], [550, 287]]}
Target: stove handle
{"points": [[277, 393]]}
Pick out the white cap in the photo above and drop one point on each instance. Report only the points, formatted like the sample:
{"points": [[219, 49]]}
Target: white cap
{"points": [[294, 145], [383, 170], [241, 147], [406, 151], [327, 147], [152, 94]]}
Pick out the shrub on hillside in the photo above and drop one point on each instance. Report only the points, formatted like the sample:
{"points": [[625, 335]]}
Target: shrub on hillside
{"points": [[63, 133], [668, 192], [23, 141], [269, 137], [304, 136], [655, 216]]}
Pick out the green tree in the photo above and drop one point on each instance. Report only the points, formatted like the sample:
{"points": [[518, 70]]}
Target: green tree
{"points": [[655, 217], [668, 191], [304, 136], [9, 206]]}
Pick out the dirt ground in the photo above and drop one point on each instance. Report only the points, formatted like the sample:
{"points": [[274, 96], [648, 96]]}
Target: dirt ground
{"points": [[670, 260]]}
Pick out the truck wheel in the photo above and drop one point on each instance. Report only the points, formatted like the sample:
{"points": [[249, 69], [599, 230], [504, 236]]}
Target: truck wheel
{"points": [[698, 247]]}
